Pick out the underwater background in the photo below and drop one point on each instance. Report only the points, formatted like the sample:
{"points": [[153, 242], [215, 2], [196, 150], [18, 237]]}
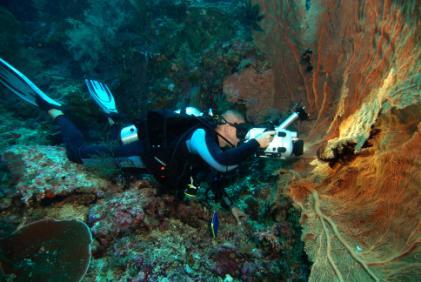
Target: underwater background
{"points": [[348, 209]]}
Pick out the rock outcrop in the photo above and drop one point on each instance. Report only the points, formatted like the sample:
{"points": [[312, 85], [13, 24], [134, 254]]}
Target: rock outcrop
{"points": [[44, 172]]}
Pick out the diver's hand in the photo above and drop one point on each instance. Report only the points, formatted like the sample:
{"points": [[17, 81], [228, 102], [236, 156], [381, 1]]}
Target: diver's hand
{"points": [[265, 138]]}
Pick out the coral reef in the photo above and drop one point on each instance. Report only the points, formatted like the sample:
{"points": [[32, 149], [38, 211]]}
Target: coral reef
{"points": [[153, 54], [361, 208], [142, 236], [124, 212], [20, 124], [44, 172], [353, 64], [178, 251], [89, 39], [159, 50], [9, 41], [254, 90], [139, 234]]}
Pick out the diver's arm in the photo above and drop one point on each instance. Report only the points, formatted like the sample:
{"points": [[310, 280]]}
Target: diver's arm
{"points": [[208, 149]]}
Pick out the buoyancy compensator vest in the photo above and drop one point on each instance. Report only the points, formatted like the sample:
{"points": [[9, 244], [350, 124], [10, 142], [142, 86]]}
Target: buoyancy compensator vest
{"points": [[165, 154]]}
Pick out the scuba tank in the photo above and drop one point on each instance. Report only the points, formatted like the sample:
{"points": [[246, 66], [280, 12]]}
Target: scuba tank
{"points": [[130, 133]]}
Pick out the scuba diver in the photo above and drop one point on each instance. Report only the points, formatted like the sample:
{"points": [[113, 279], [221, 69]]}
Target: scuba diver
{"points": [[174, 147]]}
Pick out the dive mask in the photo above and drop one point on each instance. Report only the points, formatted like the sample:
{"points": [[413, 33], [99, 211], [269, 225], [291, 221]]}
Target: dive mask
{"points": [[242, 128]]}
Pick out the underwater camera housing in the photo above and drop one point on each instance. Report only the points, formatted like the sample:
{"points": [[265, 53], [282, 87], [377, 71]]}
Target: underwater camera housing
{"points": [[286, 143]]}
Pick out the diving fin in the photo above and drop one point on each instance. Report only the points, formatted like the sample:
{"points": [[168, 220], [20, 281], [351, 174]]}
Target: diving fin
{"points": [[21, 86], [102, 95]]}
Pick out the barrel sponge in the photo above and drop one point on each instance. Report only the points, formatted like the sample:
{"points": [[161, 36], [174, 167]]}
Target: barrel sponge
{"points": [[47, 250]]}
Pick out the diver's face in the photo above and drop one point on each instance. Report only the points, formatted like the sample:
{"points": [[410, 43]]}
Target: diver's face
{"points": [[229, 131], [232, 135]]}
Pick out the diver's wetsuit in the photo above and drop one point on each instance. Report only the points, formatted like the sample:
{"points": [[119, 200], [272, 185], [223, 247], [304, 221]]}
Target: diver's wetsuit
{"points": [[201, 142], [205, 144], [80, 152]]}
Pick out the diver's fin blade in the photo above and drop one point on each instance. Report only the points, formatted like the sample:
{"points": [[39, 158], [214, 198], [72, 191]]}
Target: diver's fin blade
{"points": [[102, 95], [21, 86]]}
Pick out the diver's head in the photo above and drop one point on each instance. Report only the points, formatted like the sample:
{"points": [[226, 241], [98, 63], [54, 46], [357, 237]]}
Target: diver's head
{"points": [[227, 127]]}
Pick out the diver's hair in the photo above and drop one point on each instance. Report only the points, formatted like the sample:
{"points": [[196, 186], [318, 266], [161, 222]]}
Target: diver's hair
{"points": [[233, 113]]}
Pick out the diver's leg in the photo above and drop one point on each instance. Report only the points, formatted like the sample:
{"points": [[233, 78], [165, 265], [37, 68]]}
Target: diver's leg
{"points": [[72, 137], [127, 155], [80, 152]]}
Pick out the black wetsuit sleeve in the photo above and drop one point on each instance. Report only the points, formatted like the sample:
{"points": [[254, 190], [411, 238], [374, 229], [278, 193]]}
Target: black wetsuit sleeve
{"points": [[232, 156], [206, 146]]}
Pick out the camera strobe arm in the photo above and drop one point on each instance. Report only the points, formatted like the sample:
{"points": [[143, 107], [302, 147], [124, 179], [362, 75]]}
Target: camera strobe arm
{"points": [[299, 113]]}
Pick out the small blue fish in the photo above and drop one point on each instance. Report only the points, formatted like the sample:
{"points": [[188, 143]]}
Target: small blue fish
{"points": [[214, 224]]}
